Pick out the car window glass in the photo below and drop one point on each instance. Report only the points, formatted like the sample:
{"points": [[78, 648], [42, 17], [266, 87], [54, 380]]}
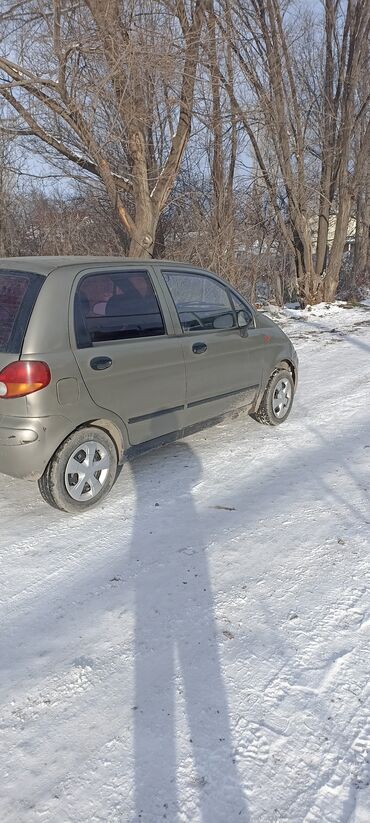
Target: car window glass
{"points": [[116, 306], [18, 292], [201, 302]]}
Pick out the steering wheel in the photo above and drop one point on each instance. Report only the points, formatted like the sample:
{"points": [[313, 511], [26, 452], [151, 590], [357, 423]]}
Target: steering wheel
{"points": [[192, 314]]}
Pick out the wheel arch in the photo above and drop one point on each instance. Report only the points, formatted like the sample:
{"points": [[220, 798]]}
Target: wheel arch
{"points": [[282, 364], [287, 364], [114, 432]]}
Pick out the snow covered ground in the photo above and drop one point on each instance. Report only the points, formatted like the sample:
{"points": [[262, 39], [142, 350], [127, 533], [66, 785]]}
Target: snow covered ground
{"points": [[197, 649]]}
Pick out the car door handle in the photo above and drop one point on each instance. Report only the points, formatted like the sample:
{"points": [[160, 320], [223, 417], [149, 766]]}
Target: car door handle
{"points": [[99, 363], [199, 348]]}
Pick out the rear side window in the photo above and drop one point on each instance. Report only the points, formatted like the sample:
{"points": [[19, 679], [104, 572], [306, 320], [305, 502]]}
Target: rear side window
{"points": [[116, 306], [18, 292]]}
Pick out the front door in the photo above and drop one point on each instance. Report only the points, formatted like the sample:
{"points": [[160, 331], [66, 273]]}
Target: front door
{"points": [[223, 362], [129, 358]]}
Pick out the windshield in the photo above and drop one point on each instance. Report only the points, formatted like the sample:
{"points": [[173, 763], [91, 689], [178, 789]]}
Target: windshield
{"points": [[18, 292]]}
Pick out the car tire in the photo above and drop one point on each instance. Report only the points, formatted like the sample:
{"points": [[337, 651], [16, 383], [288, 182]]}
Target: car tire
{"points": [[277, 401], [74, 480]]}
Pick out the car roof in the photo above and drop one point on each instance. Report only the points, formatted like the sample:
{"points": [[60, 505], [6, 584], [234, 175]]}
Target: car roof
{"points": [[45, 265]]}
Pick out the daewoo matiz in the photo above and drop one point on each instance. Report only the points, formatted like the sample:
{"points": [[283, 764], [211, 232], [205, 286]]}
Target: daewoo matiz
{"points": [[102, 357]]}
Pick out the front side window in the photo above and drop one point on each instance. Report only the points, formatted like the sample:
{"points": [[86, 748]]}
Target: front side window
{"points": [[201, 302], [116, 306]]}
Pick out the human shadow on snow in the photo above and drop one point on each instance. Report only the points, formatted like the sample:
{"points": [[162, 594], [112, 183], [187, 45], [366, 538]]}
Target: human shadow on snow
{"points": [[179, 682]]}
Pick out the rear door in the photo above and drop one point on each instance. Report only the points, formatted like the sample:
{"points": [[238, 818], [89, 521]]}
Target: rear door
{"points": [[223, 362], [130, 359]]}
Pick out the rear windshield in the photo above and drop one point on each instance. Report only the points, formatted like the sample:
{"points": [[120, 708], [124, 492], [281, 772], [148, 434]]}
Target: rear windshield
{"points": [[18, 292]]}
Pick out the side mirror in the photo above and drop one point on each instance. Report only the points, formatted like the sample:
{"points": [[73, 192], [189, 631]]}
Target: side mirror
{"points": [[224, 321], [244, 321]]}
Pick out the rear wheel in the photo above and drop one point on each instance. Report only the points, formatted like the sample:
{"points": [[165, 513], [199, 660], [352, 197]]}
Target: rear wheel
{"points": [[277, 400], [81, 472]]}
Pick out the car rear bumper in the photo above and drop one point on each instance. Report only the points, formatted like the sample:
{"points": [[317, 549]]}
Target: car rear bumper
{"points": [[27, 444]]}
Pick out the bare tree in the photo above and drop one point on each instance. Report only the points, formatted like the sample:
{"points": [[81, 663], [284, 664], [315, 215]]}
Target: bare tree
{"points": [[222, 150], [360, 274], [346, 44], [361, 257], [109, 87], [277, 117], [107, 93]]}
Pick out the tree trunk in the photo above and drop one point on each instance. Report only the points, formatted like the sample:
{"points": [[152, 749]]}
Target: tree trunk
{"points": [[143, 237], [361, 260], [331, 280], [323, 224], [217, 162], [307, 279], [328, 142], [279, 289], [160, 239]]}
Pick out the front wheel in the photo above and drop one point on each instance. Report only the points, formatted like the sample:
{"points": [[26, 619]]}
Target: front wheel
{"points": [[277, 400], [81, 472]]}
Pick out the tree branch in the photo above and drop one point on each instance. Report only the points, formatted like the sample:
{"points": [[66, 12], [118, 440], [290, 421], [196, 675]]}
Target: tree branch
{"points": [[37, 131], [167, 177]]}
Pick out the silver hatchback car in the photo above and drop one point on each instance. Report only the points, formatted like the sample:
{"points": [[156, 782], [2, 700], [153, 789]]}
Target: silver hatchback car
{"points": [[103, 357]]}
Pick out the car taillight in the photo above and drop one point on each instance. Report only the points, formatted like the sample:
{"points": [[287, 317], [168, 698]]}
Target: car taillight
{"points": [[23, 377]]}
